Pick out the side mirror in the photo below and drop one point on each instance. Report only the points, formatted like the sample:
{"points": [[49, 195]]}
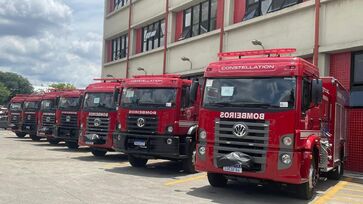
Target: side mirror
{"points": [[194, 91], [116, 94], [57, 101], [316, 91]]}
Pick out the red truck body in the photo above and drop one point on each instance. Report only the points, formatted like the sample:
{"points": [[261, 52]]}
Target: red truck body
{"points": [[68, 117], [31, 115], [15, 114], [99, 116], [261, 119], [157, 120]]}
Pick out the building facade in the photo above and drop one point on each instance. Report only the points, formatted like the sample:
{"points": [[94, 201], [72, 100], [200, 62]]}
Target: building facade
{"points": [[184, 36]]}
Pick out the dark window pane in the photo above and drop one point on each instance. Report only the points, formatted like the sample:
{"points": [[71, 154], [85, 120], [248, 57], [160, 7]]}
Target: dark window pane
{"points": [[252, 11], [276, 5], [204, 26], [290, 3], [195, 27], [358, 69], [213, 15], [265, 5]]}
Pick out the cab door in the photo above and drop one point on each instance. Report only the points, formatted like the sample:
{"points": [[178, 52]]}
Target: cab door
{"points": [[187, 111]]}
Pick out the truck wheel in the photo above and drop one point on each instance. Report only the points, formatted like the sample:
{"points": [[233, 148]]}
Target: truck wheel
{"points": [[20, 134], [217, 180], [189, 164], [35, 137], [72, 145], [337, 173], [53, 141], [306, 190], [98, 153], [137, 162]]}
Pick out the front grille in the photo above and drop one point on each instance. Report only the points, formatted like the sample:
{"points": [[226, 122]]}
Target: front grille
{"points": [[98, 125], [48, 120], [29, 119], [69, 121], [150, 127], [254, 144], [15, 119]]}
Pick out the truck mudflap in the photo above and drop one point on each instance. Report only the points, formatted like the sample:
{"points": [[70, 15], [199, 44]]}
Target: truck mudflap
{"points": [[235, 159]]}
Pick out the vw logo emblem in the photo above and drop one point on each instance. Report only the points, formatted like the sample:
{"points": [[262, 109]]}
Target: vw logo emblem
{"points": [[240, 130], [97, 122], [29, 117], [140, 122], [68, 118], [47, 119]]}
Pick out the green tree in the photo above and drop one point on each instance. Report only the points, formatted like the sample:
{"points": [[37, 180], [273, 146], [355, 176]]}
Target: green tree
{"points": [[15, 83], [63, 86], [4, 94]]}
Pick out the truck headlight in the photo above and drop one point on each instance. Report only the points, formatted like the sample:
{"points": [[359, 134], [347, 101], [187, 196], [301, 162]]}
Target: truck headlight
{"points": [[202, 135], [119, 126], [81, 126], [287, 140], [201, 150], [286, 159], [170, 129]]}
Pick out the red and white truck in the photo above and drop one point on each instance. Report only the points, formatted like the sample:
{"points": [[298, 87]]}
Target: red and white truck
{"points": [[271, 118], [99, 115], [157, 120], [15, 114], [31, 115], [68, 117]]}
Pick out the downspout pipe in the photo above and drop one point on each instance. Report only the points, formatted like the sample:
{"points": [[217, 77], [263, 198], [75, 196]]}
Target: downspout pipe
{"points": [[221, 35], [128, 41], [317, 32], [166, 34]]}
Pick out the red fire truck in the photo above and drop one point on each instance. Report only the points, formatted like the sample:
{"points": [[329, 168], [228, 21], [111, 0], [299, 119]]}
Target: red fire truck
{"points": [[270, 118], [99, 115], [46, 122], [68, 116], [15, 114], [157, 119], [31, 115]]}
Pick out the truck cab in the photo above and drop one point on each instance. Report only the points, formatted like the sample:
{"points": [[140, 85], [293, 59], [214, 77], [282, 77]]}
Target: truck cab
{"points": [[157, 120], [15, 114], [260, 119], [68, 115], [31, 115], [99, 116], [47, 119]]}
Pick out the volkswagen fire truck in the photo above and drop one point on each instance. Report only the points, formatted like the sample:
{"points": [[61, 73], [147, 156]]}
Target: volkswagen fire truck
{"points": [[270, 118], [68, 116], [157, 120], [31, 115], [99, 115], [15, 114]]}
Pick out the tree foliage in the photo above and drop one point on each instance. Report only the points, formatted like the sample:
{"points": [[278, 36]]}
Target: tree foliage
{"points": [[4, 94], [63, 86], [15, 84]]}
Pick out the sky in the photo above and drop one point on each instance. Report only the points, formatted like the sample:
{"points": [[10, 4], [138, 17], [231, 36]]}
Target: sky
{"points": [[52, 41]]}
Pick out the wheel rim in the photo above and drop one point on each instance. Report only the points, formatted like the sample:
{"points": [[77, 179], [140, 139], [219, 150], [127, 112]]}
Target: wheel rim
{"points": [[312, 176]]}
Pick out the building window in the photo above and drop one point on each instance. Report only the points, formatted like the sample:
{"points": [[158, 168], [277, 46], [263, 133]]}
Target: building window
{"points": [[357, 71], [256, 8], [119, 47], [153, 35], [199, 19], [119, 3]]}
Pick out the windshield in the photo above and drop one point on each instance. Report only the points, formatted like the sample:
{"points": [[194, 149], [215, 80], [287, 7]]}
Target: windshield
{"points": [[155, 97], [99, 101], [15, 106], [47, 105], [253, 93], [31, 105], [69, 103]]}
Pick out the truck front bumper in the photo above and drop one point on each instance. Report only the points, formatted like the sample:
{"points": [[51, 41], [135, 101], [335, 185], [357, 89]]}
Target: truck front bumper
{"points": [[153, 146], [29, 129], [46, 132], [67, 134]]}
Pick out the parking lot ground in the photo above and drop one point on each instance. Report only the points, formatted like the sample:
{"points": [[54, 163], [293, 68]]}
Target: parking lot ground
{"points": [[37, 172]]}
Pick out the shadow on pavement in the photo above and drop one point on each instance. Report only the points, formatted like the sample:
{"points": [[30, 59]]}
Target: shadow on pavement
{"points": [[46, 144], [162, 169], [108, 158], [66, 149]]}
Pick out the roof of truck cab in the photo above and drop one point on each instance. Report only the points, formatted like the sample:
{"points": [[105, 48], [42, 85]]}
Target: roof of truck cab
{"points": [[261, 67], [165, 81], [19, 98], [108, 86], [72, 93], [34, 97]]}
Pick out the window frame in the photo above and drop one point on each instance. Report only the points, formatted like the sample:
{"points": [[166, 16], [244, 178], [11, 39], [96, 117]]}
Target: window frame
{"points": [[119, 4], [306, 101], [150, 35], [117, 44], [355, 86]]}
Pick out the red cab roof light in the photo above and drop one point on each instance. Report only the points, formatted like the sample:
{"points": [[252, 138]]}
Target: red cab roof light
{"points": [[268, 52]]}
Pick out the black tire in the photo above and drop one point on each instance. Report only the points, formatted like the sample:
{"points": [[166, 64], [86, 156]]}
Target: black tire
{"points": [[72, 145], [137, 162], [306, 190], [189, 164], [98, 153], [53, 141], [337, 172], [35, 138], [217, 180], [20, 134]]}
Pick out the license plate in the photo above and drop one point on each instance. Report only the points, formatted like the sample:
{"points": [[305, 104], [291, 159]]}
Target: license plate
{"points": [[89, 143], [234, 169], [139, 143]]}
